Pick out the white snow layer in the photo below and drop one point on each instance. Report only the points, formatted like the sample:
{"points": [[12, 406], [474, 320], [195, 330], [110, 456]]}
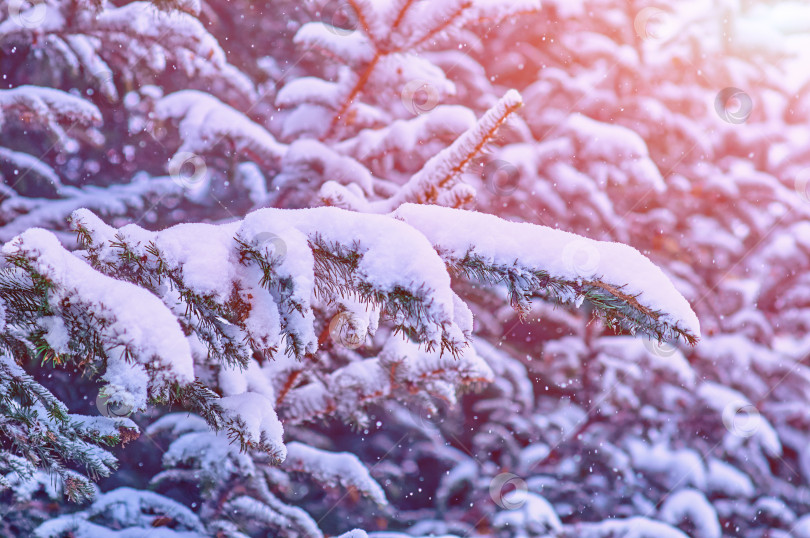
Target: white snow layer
{"points": [[137, 318], [395, 256], [456, 232], [534, 513], [634, 527], [692, 505], [331, 468], [260, 420], [205, 120]]}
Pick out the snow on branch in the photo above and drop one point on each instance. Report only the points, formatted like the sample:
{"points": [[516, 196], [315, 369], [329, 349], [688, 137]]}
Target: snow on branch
{"points": [[255, 423], [308, 156], [160, 37], [23, 164], [441, 172], [632, 526], [332, 468], [625, 288], [192, 7], [432, 20], [274, 513], [355, 256], [381, 51], [46, 435], [199, 276], [349, 48], [311, 90], [248, 284], [402, 368], [125, 507], [205, 121], [410, 135], [228, 295], [127, 44], [53, 109], [440, 175], [19, 213], [129, 329]]}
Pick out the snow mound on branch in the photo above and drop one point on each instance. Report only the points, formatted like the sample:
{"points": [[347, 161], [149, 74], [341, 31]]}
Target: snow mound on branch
{"points": [[52, 104], [413, 363], [205, 121], [135, 510], [353, 46], [128, 506], [395, 257], [535, 513], [608, 140], [691, 505], [134, 317], [634, 527], [677, 467], [210, 268], [725, 479], [332, 468], [456, 232], [261, 424]]}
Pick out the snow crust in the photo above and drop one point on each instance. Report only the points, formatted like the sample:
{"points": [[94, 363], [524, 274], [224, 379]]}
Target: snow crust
{"points": [[137, 318], [456, 232], [330, 467]]}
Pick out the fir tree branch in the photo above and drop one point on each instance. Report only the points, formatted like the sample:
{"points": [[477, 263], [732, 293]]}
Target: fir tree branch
{"points": [[441, 172]]}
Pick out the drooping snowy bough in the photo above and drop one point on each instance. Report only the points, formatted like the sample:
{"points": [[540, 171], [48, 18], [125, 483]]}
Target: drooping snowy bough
{"points": [[624, 287], [290, 315]]}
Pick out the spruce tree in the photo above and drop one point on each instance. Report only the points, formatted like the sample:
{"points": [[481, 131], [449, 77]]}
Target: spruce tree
{"points": [[367, 268]]}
